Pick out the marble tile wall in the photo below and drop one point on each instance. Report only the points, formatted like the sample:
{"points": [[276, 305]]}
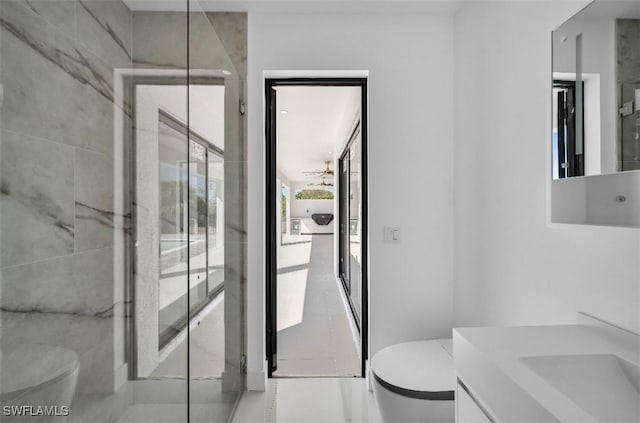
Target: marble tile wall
{"points": [[628, 78], [57, 251]]}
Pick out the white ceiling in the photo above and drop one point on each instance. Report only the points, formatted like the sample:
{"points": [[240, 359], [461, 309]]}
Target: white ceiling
{"points": [[307, 134], [445, 7]]}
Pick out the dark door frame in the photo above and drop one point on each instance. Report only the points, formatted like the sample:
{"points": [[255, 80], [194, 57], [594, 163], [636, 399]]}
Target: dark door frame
{"points": [[271, 266]]}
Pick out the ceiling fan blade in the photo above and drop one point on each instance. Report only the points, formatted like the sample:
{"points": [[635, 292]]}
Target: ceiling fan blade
{"points": [[326, 172]]}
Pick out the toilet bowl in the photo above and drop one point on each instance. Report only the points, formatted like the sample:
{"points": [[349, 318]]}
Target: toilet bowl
{"points": [[414, 382], [37, 381]]}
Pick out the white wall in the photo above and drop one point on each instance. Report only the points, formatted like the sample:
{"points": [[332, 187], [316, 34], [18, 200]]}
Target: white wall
{"points": [[305, 208], [410, 63], [512, 267]]}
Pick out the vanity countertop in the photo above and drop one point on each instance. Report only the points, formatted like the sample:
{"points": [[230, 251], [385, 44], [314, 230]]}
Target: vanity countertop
{"points": [[495, 364]]}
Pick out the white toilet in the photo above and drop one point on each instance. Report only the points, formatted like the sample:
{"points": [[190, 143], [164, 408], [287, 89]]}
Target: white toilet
{"points": [[414, 382], [34, 375]]}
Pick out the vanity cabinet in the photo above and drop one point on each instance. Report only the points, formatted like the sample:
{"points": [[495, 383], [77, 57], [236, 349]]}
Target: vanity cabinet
{"points": [[467, 410]]}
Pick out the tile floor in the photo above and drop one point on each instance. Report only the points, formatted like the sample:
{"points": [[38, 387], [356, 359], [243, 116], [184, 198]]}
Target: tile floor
{"points": [[299, 400], [165, 401], [321, 400], [316, 335]]}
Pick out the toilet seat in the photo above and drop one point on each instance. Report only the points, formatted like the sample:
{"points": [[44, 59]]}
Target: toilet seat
{"points": [[421, 369]]}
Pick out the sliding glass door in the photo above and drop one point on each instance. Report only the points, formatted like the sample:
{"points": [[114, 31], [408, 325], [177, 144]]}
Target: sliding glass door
{"points": [[191, 225], [173, 231], [350, 215]]}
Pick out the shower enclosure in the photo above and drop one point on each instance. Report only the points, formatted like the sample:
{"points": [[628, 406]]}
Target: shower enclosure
{"points": [[122, 211]]}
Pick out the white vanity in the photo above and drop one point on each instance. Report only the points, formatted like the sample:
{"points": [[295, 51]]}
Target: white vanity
{"points": [[588, 372]]}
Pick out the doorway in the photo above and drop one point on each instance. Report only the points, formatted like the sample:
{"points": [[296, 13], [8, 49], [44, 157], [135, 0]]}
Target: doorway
{"points": [[316, 243]]}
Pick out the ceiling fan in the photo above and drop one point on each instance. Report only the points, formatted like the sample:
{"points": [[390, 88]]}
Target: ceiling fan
{"points": [[323, 183], [326, 172]]}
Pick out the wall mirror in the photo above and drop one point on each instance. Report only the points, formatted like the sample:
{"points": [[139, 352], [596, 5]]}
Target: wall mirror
{"points": [[596, 91]]}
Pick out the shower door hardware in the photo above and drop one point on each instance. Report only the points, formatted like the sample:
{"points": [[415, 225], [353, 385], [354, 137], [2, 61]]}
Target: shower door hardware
{"points": [[626, 109]]}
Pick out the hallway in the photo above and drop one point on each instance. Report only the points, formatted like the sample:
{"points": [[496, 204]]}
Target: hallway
{"points": [[316, 334]]}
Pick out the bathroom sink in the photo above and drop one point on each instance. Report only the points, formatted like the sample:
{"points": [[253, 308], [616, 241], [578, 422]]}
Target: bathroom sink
{"points": [[603, 385]]}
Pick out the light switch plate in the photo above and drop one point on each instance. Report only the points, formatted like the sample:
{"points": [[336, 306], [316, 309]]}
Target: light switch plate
{"points": [[392, 234]]}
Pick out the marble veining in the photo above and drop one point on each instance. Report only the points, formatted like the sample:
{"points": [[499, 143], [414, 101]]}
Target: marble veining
{"points": [[73, 62], [43, 101], [37, 202], [45, 207], [60, 274], [78, 284], [103, 217], [106, 313], [106, 27], [58, 13]]}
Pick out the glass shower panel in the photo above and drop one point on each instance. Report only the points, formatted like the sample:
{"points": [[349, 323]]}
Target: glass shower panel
{"points": [[82, 242], [159, 159], [215, 201], [122, 217], [216, 90]]}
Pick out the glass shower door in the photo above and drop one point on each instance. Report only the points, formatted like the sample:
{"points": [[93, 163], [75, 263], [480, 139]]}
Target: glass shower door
{"points": [[123, 252], [217, 270]]}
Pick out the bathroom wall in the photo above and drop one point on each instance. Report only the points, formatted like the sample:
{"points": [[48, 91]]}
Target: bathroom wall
{"points": [[410, 64], [61, 232], [512, 266], [305, 208]]}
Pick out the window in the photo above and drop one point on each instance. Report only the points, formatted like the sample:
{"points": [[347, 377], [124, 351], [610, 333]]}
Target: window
{"points": [[315, 194]]}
